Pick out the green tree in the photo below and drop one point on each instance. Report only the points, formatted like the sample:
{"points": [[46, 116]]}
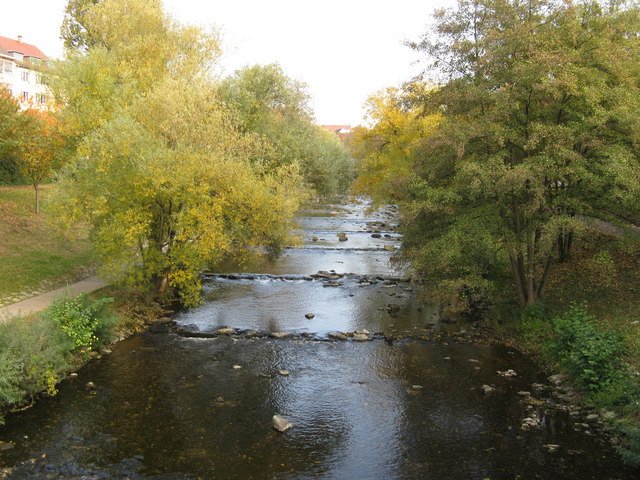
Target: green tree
{"points": [[276, 107], [167, 182], [12, 128], [74, 31], [539, 125]]}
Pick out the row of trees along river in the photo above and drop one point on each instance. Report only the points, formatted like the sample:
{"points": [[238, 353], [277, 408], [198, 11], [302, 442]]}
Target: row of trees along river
{"points": [[522, 130]]}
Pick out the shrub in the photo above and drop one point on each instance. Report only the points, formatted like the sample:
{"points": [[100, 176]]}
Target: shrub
{"points": [[589, 352], [630, 449], [34, 357], [88, 323], [534, 326], [35, 354]]}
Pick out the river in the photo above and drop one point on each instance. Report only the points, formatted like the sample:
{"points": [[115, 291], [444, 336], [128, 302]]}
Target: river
{"points": [[403, 398]]}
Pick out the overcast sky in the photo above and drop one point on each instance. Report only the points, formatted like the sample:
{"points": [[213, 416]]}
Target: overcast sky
{"points": [[344, 50]]}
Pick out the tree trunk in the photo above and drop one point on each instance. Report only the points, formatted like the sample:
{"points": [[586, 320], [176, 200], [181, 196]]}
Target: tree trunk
{"points": [[565, 242], [37, 189], [162, 285]]}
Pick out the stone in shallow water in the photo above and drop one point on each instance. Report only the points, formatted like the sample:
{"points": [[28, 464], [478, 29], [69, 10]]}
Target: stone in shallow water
{"points": [[309, 316], [279, 334], [284, 373], [281, 424], [361, 337], [338, 336], [226, 331], [486, 389]]}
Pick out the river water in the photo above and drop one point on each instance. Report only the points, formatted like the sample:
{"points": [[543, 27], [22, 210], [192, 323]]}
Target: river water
{"points": [[407, 403]]}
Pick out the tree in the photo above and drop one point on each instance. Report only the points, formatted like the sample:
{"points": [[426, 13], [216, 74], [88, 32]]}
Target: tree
{"points": [[74, 31], [276, 107], [164, 177], [12, 128], [40, 147], [539, 125], [388, 150]]}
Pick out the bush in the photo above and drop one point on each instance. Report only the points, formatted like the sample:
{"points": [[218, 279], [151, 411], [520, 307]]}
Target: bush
{"points": [[630, 449], [34, 357], [534, 327], [35, 354], [88, 323], [589, 352]]}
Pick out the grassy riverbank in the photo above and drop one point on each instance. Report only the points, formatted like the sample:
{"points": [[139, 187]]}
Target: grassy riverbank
{"points": [[589, 327], [37, 352], [36, 255]]}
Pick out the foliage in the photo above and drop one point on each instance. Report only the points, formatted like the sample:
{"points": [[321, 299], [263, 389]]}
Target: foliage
{"points": [[36, 353], [587, 351], [388, 151], [630, 449], [538, 125], [168, 182], [40, 147], [268, 103], [74, 31], [34, 356], [12, 126], [87, 323]]}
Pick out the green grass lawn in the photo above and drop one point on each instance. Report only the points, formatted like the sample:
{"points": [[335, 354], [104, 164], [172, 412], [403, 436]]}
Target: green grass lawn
{"points": [[33, 249]]}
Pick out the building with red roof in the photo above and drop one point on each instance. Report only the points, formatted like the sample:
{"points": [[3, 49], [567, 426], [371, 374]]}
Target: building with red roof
{"points": [[21, 67]]}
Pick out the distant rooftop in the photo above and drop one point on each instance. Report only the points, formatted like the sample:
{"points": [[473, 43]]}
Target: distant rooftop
{"points": [[8, 45], [337, 128]]}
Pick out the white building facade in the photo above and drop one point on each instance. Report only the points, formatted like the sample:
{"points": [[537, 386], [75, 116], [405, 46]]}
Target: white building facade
{"points": [[21, 65]]}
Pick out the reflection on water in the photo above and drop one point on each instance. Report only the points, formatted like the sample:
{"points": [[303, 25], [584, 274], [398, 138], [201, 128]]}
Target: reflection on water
{"points": [[174, 407], [178, 405], [281, 306]]}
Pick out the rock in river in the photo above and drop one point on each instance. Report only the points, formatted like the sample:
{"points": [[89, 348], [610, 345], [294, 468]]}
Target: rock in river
{"points": [[281, 424], [226, 331], [361, 337], [279, 334], [486, 389], [309, 316]]}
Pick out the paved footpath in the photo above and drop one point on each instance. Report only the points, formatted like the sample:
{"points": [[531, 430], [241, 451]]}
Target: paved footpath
{"points": [[40, 302]]}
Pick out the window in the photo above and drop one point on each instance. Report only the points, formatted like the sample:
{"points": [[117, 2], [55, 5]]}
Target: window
{"points": [[8, 66], [41, 98], [25, 76], [25, 96]]}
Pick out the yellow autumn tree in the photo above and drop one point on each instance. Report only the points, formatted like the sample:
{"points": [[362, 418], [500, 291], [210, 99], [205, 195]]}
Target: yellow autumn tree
{"points": [[168, 184], [40, 147], [386, 150]]}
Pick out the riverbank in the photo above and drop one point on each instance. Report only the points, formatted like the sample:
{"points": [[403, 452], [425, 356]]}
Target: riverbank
{"points": [[47, 339], [599, 288], [37, 256]]}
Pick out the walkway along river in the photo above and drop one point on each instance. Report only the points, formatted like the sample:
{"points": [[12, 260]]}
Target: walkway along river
{"points": [[376, 386]]}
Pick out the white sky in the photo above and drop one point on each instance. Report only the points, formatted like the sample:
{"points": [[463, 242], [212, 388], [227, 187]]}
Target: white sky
{"points": [[344, 51]]}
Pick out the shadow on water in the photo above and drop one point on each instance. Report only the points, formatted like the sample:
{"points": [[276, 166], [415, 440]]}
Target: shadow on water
{"points": [[168, 406]]}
